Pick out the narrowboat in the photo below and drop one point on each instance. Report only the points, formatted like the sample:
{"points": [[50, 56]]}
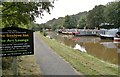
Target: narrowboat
{"points": [[109, 34]]}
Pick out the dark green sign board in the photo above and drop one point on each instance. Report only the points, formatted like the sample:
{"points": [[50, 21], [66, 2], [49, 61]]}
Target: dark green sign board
{"points": [[16, 41]]}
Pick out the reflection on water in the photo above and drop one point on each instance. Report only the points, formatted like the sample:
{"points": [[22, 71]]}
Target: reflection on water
{"points": [[108, 44], [102, 49]]}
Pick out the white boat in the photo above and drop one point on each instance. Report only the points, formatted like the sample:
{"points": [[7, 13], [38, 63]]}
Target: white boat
{"points": [[105, 36], [109, 34]]}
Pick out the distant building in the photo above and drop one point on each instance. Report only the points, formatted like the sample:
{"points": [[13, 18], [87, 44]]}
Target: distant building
{"points": [[106, 25]]}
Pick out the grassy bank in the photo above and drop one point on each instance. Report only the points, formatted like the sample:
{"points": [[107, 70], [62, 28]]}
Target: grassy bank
{"points": [[26, 66], [82, 62]]}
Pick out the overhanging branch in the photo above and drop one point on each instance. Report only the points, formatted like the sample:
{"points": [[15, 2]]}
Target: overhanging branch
{"points": [[8, 15], [8, 7]]}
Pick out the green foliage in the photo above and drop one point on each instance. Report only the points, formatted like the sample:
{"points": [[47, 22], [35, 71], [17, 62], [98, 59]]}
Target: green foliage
{"points": [[70, 22], [21, 14], [54, 27], [56, 23], [18, 13], [41, 27], [45, 34], [95, 16], [34, 27], [67, 23], [82, 22], [112, 13], [60, 22]]}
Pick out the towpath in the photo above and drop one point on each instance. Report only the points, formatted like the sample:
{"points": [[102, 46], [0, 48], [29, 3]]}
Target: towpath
{"points": [[50, 63]]}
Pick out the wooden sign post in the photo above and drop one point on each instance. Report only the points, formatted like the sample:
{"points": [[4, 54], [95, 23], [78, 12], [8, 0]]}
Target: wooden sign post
{"points": [[14, 66], [16, 42]]}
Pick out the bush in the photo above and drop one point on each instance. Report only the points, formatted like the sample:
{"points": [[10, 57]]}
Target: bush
{"points": [[45, 34]]}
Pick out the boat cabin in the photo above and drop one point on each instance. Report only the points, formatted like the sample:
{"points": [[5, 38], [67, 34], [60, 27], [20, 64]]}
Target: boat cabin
{"points": [[109, 34], [117, 35]]}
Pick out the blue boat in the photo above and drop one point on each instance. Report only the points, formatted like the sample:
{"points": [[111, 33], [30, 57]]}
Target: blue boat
{"points": [[87, 33]]}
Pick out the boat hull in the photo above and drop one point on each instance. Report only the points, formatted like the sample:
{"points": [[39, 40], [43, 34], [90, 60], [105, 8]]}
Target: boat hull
{"points": [[116, 40], [85, 35], [110, 37]]}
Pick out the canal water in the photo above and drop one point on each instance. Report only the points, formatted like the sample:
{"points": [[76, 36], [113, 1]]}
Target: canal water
{"points": [[105, 50]]}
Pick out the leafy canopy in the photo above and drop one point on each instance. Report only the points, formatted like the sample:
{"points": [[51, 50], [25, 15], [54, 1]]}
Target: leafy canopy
{"points": [[17, 13]]}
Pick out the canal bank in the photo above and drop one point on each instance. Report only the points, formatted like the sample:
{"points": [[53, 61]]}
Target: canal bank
{"points": [[105, 50], [82, 62]]}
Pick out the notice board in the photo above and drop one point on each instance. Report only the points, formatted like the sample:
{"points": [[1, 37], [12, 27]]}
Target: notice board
{"points": [[15, 41]]}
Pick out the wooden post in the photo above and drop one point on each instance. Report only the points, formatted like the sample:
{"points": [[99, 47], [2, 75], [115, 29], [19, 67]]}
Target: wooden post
{"points": [[14, 66], [0, 66]]}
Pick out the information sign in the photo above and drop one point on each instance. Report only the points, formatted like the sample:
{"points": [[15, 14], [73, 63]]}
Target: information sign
{"points": [[16, 41]]}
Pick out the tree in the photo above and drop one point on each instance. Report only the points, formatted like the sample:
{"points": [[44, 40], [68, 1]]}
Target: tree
{"points": [[112, 14], [96, 16], [67, 22], [18, 13], [70, 22], [21, 14], [82, 22]]}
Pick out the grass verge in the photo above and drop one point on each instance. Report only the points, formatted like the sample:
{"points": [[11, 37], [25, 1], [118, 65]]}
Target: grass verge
{"points": [[28, 66], [82, 62]]}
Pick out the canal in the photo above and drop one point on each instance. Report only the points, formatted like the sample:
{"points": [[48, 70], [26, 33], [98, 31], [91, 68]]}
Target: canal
{"points": [[105, 50]]}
